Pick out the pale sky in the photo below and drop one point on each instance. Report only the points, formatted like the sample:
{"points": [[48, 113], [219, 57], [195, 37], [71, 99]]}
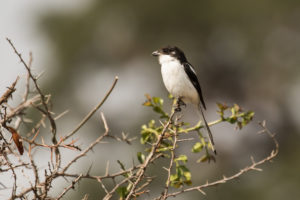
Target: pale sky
{"points": [[18, 21]]}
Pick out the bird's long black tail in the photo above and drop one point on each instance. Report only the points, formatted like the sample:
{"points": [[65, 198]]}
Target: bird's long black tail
{"points": [[211, 139]]}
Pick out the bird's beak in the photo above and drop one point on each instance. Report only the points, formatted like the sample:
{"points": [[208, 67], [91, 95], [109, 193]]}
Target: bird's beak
{"points": [[155, 53]]}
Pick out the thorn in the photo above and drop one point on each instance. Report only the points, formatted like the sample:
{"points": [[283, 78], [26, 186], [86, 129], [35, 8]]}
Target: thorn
{"points": [[257, 169], [165, 168], [252, 159], [201, 191]]}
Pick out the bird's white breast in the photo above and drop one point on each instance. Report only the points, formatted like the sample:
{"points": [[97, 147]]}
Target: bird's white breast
{"points": [[176, 80]]}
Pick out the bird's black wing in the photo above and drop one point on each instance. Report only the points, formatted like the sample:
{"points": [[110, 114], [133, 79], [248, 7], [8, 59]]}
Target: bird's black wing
{"points": [[188, 68], [193, 78]]}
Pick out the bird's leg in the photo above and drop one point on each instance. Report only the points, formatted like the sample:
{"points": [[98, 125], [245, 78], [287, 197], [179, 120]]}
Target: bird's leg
{"points": [[179, 103]]}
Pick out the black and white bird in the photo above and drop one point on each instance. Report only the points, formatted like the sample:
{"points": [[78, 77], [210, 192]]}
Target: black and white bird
{"points": [[181, 80]]}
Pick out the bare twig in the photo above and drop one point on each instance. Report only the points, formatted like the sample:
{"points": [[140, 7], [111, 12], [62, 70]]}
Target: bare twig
{"points": [[69, 187], [109, 195], [165, 193], [43, 98], [88, 116], [106, 176], [20, 108], [9, 92], [35, 171], [13, 191], [102, 185], [91, 145], [27, 88]]}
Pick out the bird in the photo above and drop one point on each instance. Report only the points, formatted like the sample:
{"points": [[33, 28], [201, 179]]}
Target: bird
{"points": [[181, 81]]}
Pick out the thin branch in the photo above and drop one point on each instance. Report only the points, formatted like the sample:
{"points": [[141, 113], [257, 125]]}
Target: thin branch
{"points": [[20, 108], [109, 195], [88, 116], [90, 147], [69, 187], [106, 176], [252, 167], [165, 193], [44, 103], [102, 185], [9, 92], [13, 192], [43, 98], [27, 88], [35, 171]]}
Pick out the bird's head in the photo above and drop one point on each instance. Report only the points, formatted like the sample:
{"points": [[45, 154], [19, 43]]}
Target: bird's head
{"points": [[169, 53]]}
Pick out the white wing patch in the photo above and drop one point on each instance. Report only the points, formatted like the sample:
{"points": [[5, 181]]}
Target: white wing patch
{"points": [[192, 69]]}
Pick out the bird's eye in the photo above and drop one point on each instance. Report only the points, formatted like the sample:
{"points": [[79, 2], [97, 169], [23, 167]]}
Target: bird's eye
{"points": [[173, 52]]}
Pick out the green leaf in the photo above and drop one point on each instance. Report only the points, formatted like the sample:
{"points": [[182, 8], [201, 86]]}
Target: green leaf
{"points": [[206, 157], [176, 184], [182, 176], [232, 120], [175, 181], [185, 172], [187, 175], [145, 137], [197, 147], [174, 177], [182, 158], [144, 126], [158, 101], [151, 123], [141, 157], [158, 110], [249, 116]]}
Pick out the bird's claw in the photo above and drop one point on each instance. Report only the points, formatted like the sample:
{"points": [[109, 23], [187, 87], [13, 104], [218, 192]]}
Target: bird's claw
{"points": [[178, 104], [181, 103], [177, 109]]}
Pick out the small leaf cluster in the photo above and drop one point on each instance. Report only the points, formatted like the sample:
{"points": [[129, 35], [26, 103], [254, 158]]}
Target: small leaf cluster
{"points": [[203, 145], [150, 131], [157, 104], [237, 116], [182, 175]]}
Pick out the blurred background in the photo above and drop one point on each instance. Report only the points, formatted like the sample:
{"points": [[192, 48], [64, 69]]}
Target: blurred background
{"points": [[245, 52]]}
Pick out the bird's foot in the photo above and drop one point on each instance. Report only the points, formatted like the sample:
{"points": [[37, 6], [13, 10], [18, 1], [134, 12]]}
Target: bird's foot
{"points": [[177, 109], [179, 103]]}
